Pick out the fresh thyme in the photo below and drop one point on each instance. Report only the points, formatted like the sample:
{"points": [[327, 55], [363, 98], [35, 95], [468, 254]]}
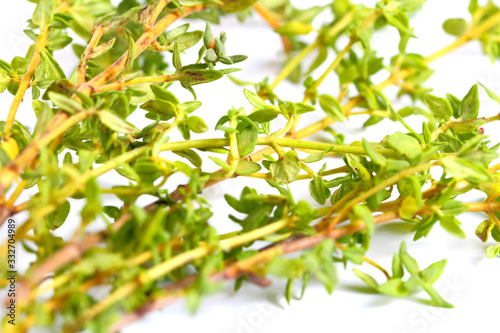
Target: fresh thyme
{"points": [[153, 255]]}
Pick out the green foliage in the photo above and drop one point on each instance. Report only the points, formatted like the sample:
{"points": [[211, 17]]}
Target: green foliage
{"points": [[86, 129]]}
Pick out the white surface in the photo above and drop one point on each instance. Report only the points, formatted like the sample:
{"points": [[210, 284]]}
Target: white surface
{"points": [[470, 281]]}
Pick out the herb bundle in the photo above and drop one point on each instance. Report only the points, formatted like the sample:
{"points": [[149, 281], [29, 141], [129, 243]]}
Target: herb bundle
{"points": [[153, 255]]}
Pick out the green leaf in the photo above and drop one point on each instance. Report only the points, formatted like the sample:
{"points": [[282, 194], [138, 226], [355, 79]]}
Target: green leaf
{"points": [[187, 40], [294, 28], [254, 99], [332, 107], [470, 104], [208, 36], [102, 49], [318, 190], [452, 225], [131, 55], [320, 263], [405, 145], [318, 156], [196, 124], [246, 168], [176, 57], [188, 107], [432, 273], [301, 108], [467, 126], [409, 262], [408, 208], [456, 105], [493, 251], [57, 218], [368, 279], [63, 102], [44, 13], [455, 26], [463, 169], [375, 156], [191, 156], [287, 268], [394, 287], [491, 94], [163, 108], [115, 123], [231, 6], [397, 266], [287, 168], [162, 93], [247, 140], [4, 80], [191, 77], [483, 230], [52, 68], [220, 162], [436, 298], [440, 107], [263, 115], [365, 214]]}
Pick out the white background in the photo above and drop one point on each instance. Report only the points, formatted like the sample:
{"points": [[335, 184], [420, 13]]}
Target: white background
{"points": [[470, 280]]}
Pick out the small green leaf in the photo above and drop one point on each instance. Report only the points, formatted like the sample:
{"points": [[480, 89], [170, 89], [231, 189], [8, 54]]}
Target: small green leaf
{"points": [[188, 107], [231, 6], [220, 162], [246, 168], [409, 262], [164, 109], [405, 145], [397, 266], [208, 36], [294, 28], [254, 99], [52, 68], [187, 40], [440, 107], [318, 190], [432, 273], [365, 214], [65, 103], [191, 77], [332, 107], [395, 287], [287, 168], [196, 124], [287, 108], [44, 13], [408, 208], [57, 218], [483, 230], [463, 169], [491, 94], [375, 156], [301, 108], [162, 93], [467, 126], [191, 156], [470, 104], [131, 55], [455, 26], [263, 115], [176, 57], [115, 123], [452, 225], [370, 281], [493, 251], [247, 140]]}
